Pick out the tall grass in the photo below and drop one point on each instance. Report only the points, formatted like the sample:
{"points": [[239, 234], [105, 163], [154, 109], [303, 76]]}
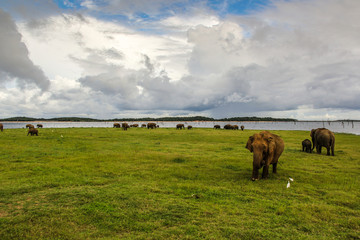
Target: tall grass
{"points": [[105, 183]]}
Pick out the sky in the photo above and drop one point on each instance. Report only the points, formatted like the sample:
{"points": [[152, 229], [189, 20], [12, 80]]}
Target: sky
{"points": [[109, 59]]}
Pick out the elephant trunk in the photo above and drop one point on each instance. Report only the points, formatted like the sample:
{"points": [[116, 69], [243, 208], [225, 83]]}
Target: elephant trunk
{"points": [[258, 162]]}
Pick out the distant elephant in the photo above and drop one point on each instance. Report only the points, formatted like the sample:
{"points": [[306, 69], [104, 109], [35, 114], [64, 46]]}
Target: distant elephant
{"points": [[1, 127], [235, 127], [151, 125], [180, 126], [39, 125], [32, 131], [143, 125], [322, 137], [116, 125], [135, 125], [217, 127], [29, 126], [228, 126], [242, 127], [125, 126], [266, 148], [189, 127], [306, 146]]}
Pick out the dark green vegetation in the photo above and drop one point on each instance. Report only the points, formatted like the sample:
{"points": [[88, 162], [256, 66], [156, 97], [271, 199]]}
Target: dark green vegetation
{"points": [[175, 119], [105, 183]]}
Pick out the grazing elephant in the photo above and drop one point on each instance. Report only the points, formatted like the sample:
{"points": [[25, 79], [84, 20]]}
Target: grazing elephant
{"points": [[235, 127], [125, 126], [189, 127], [32, 131], [1, 127], [151, 125], [306, 146], [39, 125], [242, 127], [135, 125], [143, 125], [29, 126], [217, 127], [180, 126], [116, 125], [266, 148], [322, 137], [229, 126]]}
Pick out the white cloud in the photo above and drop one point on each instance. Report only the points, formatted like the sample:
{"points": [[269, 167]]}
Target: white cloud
{"points": [[296, 59]]}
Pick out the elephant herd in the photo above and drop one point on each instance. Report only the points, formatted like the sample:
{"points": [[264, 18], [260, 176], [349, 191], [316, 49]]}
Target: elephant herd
{"points": [[125, 126], [231, 127], [267, 148]]}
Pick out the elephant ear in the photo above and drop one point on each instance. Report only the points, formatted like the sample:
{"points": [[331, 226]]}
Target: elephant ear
{"points": [[272, 145], [249, 143], [312, 132]]}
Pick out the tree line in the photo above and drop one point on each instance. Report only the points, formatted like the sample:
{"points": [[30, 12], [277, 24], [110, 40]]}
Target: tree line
{"points": [[168, 119]]}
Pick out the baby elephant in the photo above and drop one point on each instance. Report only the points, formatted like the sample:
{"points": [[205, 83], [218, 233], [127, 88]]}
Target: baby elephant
{"points": [[306, 146], [32, 131]]}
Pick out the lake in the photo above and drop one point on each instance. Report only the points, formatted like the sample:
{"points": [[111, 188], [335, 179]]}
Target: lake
{"points": [[340, 127]]}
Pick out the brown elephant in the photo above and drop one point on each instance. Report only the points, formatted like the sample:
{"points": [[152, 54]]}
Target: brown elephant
{"points": [[116, 125], [242, 127], [266, 148], [29, 126], [180, 126], [1, 127], [143, 125], [235, 127], [39, 125], [125, 126], [151, 125], [306, 146], [322, 137], [189, 127], [32, 131], [217, 127], [229, 126], [134, 125]]}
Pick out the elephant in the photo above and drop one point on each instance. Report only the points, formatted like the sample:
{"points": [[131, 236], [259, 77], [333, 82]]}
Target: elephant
{"points": [[134, 125], [228, 126], [29, 126], [217, 127], [151, 125], [266, 148], [322, 137], [242, 127], [180, 126], [306, 146], [1, 127], [32, 131], [125, 126], [39, 125], [143, 125], [116, 125], [189, 127], [235, 127]]}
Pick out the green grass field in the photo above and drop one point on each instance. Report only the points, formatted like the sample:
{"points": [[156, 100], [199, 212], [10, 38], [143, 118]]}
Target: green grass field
{"points": [[106, 183]]}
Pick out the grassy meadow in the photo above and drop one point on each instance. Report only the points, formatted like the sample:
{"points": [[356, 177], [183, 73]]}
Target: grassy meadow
{"points": [[106, 183]]}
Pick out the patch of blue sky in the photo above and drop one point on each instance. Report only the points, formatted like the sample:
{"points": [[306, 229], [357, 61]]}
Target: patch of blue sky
{"points": [[237, 7]]}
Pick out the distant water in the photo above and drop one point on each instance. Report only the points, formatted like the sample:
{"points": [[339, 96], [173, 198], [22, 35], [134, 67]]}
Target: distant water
{"points": [[340, 127]]}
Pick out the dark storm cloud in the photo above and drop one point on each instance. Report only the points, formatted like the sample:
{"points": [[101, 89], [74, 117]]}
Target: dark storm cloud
{"points": [[14, 56]]}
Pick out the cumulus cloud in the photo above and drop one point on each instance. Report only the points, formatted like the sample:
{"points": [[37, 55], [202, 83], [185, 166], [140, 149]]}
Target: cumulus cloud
{"points": [[294, 59], [14, 56]]}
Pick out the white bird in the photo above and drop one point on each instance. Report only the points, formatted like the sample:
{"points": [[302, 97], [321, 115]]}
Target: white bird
{"points": [[288, 185]]}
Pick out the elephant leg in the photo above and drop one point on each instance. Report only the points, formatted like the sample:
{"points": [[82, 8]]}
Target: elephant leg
{"points": [[274, 167], [265, 172], [328, 151]]}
